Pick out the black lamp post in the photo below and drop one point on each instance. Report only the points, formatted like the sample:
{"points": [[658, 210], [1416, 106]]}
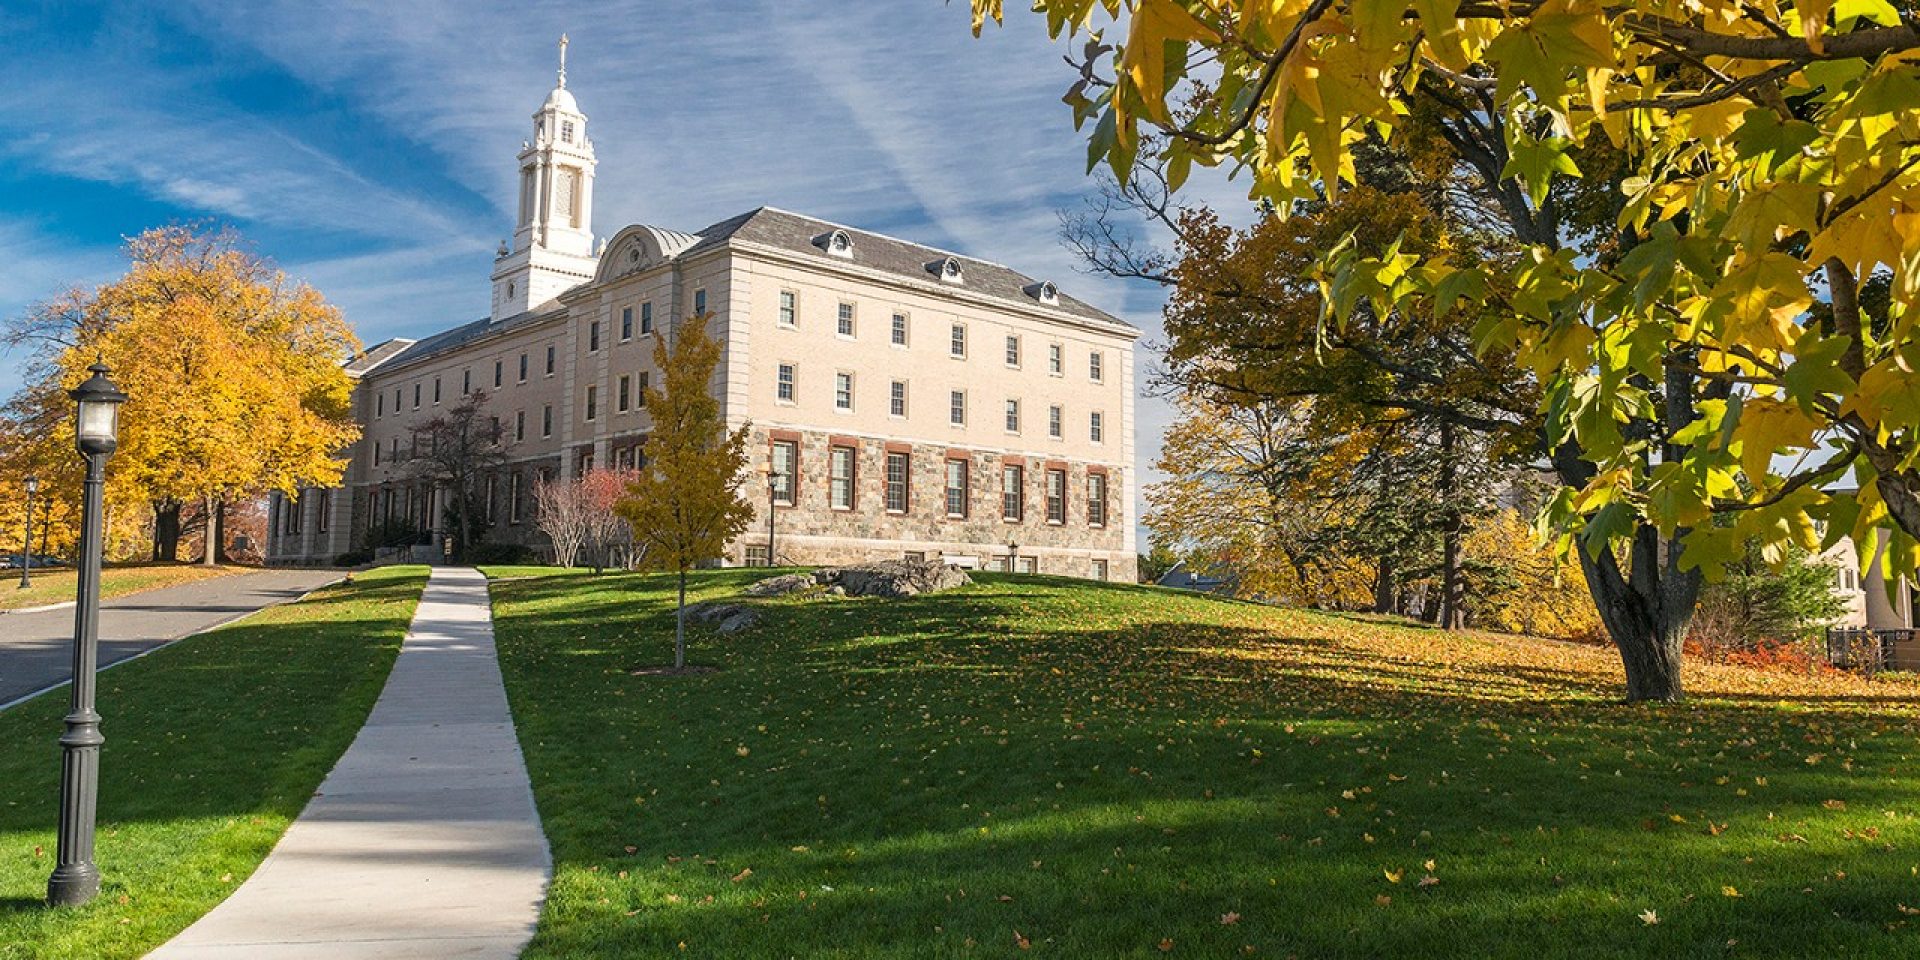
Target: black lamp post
{"points": [[773, 486], [1013, 555], [26, 545], [75, 879]]}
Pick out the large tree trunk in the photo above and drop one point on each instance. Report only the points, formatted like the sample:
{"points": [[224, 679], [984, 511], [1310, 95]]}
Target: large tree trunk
{"points": [[210, 551], [1647, 610], [1452, 617], [1647, 607], [220, 545], [1383, 587], [680, 626], [166, 531]]}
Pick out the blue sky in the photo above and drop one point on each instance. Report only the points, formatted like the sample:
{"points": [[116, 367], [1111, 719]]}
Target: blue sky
{"points": [[368, 147]]}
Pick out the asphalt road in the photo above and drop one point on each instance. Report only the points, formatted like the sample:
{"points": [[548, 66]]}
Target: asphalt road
{"points": [[36, 649]]}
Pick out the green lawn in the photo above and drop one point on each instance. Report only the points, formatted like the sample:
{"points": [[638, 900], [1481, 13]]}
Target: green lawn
{"points": [[213, 746], [55, 585], [1091, 771]]}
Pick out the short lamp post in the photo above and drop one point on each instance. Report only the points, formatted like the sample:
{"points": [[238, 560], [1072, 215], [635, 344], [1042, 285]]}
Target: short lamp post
{"points": [[75, 878], [773, 488], [1013, 555], [26, 544]]}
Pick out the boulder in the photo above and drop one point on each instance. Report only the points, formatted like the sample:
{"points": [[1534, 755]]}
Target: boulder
{"points": [[784, 584], [894, 578]]}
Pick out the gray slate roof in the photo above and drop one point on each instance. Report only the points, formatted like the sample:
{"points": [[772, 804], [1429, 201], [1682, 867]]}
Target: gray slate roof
{"points": [[773, 227]]}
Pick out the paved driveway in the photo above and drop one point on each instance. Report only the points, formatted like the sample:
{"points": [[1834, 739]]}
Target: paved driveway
{"points": [[36, 649]]}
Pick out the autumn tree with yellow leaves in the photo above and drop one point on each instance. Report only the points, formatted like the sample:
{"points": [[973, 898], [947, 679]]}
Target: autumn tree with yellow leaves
{"points": [[233, 374], [1704, 324]]}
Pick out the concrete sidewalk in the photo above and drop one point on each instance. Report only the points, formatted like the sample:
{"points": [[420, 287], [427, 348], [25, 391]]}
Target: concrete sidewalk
{"points": [[423, 841]]}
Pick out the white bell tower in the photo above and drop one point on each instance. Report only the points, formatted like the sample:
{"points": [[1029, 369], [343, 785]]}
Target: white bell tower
{"points": [[552, 248]]}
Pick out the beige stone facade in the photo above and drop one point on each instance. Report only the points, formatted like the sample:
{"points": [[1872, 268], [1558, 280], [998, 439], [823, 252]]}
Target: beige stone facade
{"points": [[854, 352]]}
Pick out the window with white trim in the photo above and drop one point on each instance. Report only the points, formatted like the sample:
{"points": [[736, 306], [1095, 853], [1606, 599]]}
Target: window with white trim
{"points": [[897, 398], [1096, 426], [1096, 499], [899, 329], [1055, 417], [843, 391], [789, 308], [784, 456], [1096, 366], [899, 468], [957, 342], [1013, 497], [1056, 359], [957, 408], [1056, 496], [784, 389], [843, 320], [1013, 351], [957, 488], [1013, 416], [840, 467]]}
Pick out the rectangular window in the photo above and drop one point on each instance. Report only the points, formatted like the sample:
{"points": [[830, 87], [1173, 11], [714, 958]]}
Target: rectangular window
{"points": [[784, 387], [416, 396], [843, 391], [593, 336], [519, 425], [840, 478], [436, 390], [626, 323], [646, 318], [393, 455], [957, 408], [625, 397], [1096, 499], [957, 345], [957, 488], [596, 346], [466, 382], [844, 320], [1056, 496], [897, 399], [1096, 366], [1013, 351], [899, 329], [1013, 416], [593, 402], [899, 467], [789, 308], [376, 454], [1056, 364], [1100, 570], [487, 516], [1013, 495], [523, 368], [700, 301], [1054, 418], [757, 556], [498, 367], [513, 497], [546, 420], [1096, 426], [396, 401], [640, 398], [785, 456], [379, 405]]}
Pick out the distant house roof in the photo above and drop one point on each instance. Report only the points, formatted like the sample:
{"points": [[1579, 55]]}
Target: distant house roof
{"points": [[1182, 577]]}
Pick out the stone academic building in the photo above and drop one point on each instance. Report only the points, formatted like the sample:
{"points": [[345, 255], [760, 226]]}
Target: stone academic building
{"points": [[911, 402]]}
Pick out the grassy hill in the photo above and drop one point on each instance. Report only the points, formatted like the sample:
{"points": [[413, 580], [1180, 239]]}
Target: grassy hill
{"points": [[1038, 766]]}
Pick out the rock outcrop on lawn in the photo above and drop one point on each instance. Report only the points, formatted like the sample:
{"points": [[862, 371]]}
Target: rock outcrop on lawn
{"points": [[886, 578]]}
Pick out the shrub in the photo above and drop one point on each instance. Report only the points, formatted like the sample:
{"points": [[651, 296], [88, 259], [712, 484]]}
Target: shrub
{"points": [[504, 553], [353, 558]]}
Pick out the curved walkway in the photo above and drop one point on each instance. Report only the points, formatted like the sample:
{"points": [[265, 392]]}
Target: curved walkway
{"points": [[423, 841]]}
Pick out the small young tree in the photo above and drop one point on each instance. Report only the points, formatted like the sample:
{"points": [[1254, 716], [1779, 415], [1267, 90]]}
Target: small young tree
{"points": [[560, 509], [685, 504], [603, 529], [456, 449]]}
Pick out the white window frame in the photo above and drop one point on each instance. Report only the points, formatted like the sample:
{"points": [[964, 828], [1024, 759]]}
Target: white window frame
{"points": [[957, 341], [897, 399], [786, 378], [846, 320], [788, 314], [843, 391], [957, 408]]}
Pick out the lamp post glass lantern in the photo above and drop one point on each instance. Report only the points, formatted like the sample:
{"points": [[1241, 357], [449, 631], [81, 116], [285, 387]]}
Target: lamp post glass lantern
{"points": [[26, 542], [75, 878]]}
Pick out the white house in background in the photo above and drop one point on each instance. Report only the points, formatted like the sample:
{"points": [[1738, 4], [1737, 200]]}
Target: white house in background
{"points": [[1870, 605]]}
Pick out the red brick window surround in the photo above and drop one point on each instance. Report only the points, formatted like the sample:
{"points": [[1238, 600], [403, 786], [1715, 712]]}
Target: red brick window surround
{"points": [[783, 454]]}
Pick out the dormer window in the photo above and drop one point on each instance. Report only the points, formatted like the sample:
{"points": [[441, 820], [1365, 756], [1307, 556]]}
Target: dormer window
{"points": [[837, 243], [948, 270], [1045, 292]]}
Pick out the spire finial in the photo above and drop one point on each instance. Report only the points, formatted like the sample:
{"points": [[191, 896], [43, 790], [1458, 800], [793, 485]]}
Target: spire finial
{"points": [[563, 60]]}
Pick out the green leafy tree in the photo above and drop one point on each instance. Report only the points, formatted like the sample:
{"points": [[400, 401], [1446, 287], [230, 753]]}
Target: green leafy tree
{"points": [[684, 503], [1760, 600], [1704, 194]]}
